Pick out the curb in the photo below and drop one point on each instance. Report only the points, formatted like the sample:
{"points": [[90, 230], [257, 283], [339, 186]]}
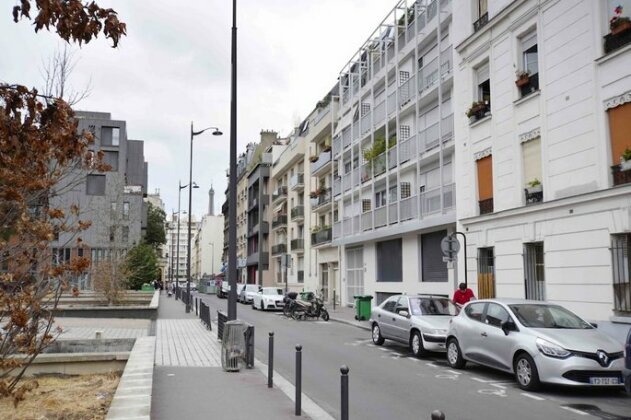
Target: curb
{"points": [[351, 323]]}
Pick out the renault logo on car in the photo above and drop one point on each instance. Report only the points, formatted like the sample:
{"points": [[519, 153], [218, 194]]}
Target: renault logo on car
{"points": [[603, 359]]}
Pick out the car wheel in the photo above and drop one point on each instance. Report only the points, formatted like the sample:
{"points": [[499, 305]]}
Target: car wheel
{"points": [[526, 373], [377, 338], [416, 345], [253, 306], [454, 355], [325, 315]]}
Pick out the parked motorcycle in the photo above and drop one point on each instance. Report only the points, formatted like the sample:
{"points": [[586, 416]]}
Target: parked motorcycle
{"points": [[313, 308], [289, 302]]}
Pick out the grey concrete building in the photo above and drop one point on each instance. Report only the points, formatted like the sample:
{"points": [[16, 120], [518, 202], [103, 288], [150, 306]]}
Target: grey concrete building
{"points": [[112, 201]]}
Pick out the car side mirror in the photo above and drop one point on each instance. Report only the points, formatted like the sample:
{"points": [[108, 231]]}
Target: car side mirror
{"points": [[508, 326], [404, 313]]}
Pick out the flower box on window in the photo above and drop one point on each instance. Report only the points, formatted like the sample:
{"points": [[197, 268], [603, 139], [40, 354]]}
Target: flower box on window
{"points": [[477, 111], [619, 24], [523, 78]]}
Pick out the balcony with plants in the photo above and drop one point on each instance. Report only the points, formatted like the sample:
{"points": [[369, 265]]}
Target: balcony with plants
{"points": [[619, 31], [319, 163], [320, 197], [321, 234], [534, 192], [279, 249], [526, 83], [478, 111], [622, 172], [375, 157]]}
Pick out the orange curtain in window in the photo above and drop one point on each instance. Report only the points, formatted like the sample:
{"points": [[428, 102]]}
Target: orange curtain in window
{"points": [[485, 178], [619, 130]]}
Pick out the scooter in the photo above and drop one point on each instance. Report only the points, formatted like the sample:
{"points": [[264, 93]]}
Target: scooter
{"points": [[313, 309]]}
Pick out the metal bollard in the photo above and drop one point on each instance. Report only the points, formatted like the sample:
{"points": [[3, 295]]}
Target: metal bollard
{"points": [[333, 300], [270, 361], [344, 382], [298, 380], [438, 415]]}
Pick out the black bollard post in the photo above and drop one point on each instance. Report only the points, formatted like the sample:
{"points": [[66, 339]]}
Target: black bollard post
{"points": [[270, 361], [344, 381], [333, 300], [438, 415], [298, 380]]}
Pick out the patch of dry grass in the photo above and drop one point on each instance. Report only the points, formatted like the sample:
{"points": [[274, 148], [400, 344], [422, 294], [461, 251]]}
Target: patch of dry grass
{"points": [[68, 398]]}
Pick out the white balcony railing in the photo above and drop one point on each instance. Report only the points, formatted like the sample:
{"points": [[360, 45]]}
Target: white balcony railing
{"points": [[356, 223], [347, 227], [393, 214], [409, 208], [337, 230], [346, 137], [381, 216], [407, 149], [392, 102], [406, 91], [367, 220], [379, 113], [392, 158], [337, 145], [365, 125]]}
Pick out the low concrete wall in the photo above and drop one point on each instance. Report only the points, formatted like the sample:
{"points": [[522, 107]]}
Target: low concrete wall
{"points": [[78, 363], [82, 309], [90, 346]]}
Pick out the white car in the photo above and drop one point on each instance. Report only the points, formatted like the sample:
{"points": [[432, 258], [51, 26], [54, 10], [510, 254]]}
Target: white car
{"points": [[268, 298], [246, 294]]}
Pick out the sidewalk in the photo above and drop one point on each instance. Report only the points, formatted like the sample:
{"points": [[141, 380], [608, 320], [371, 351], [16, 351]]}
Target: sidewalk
{"points": [[189, 383], [346, 315]]}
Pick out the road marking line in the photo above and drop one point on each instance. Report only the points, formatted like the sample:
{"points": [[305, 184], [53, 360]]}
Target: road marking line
{"points": [[432, 365], [582, 413], [454, 372], [534, 397], [484, 381], [498, 386]]}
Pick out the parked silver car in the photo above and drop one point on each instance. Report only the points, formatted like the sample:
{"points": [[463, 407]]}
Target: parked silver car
{"points": [[421, 321], [539, 342], [247, 292]]}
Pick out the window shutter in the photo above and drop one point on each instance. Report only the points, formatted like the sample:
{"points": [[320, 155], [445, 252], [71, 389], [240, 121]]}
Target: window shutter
{"points": [[531, 151], [405, 190], [485, 178], [365, 205], [434, 269], [620, 130], [483, 73], [529, 41]]}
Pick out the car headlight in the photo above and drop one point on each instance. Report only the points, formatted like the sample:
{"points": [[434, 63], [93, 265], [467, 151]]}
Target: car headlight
{"points": [[551, 349]]}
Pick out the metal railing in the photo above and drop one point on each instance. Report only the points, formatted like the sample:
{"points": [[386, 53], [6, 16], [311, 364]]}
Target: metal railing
{"points": [[280, 220], [297, 181], [279, 249], [298, 212], [380, 216], [297, 244], [323, 159], [322, 236]]}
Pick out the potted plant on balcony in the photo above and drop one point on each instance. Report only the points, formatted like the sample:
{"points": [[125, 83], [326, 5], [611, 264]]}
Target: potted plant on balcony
{"points": [[476, 111], [326, 147], [313, 158], [625, 160], [314, 194], [534, 186], [619, 24], [316, 229], [523, 78]]}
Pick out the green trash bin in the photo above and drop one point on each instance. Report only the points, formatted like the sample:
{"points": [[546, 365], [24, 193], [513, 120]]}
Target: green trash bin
{"points": [[362, 307]]}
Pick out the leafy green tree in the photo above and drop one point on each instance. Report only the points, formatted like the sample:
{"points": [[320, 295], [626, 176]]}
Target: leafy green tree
{"points": [[156, 220], [141, 265]]}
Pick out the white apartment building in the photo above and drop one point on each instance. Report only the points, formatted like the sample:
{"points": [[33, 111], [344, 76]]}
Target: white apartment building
{"points": [[208, 242], [393, 156], [542, 194], [177, 261]]}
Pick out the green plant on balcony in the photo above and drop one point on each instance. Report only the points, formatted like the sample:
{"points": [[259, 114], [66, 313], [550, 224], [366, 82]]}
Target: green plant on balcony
{"points": [[316, 229], [625, 160], [324, 102], [523, 78], [326, 147], [313, 158], [534, 186], [377, 148], [401, 22], [618, 23]]}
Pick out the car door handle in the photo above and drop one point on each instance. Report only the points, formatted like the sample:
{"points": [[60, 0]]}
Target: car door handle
{"points": [[484, 334]]}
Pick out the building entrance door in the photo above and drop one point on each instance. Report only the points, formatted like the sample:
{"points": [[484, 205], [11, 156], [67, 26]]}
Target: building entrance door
{"points": [[354, 273]]}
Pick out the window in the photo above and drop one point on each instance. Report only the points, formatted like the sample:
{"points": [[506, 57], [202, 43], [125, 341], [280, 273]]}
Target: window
{"points": [[530, 63], [390, 304], [389, 261], [534, 271], [621, 269], [404, 132], [405, 190], [347, 167], [112, 234], [531, 151], [483, 14], [111, 159], [380, 199], [484, 85], [475, 311], [404, 76], [402, 305], [486, 273], [495, 315], [80, 252], [110, 136], [126, 210], [113, 209], [95, 185], [365, 205], [125, 234], [482, 7], [619, 130], [392, 196], [433, 267], [485, 184], [365, 109]]}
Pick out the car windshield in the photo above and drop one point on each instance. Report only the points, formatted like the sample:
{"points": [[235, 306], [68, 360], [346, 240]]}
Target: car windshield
{"points": [[272, 291], [252, 288], [548, 316], [432, 306]]}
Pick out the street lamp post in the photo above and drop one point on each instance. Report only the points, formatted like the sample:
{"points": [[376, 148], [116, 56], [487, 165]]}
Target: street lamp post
{"points": [[179, 214], [216, 132], [232, 193]]}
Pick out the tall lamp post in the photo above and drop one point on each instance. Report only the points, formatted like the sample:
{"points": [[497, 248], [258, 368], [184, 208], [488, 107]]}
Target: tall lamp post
{"points": [[232, 193], [177, 250], [194, 133], [212, 259]]}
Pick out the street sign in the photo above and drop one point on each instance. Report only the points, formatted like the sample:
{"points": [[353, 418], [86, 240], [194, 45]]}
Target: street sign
{"points": [[450, 246]]}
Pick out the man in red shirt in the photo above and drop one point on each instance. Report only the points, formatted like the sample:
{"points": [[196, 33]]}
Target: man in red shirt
{"points": [[463, 295]]}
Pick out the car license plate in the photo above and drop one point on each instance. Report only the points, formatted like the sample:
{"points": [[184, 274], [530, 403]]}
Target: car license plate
{"points": [[604, 381]]}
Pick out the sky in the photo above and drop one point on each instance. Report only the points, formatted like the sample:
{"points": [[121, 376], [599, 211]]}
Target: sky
{"points": [[173, 67]]}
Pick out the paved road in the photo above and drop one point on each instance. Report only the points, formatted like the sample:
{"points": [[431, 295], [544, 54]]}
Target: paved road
{"points": [[385, 382]]}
